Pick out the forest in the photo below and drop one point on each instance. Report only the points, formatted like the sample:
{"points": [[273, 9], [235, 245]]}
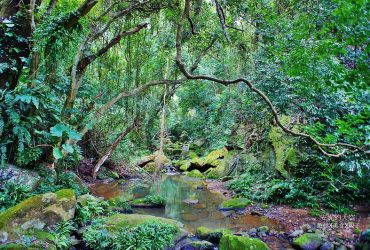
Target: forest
{"points": [[185, 124]]}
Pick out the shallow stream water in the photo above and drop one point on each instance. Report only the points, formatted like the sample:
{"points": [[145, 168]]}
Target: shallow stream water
{"points": [[179, 191]]}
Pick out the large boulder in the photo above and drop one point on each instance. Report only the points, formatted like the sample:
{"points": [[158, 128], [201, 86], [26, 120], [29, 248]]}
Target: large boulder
{"points": [[38, 213], [195, 173], [214, 165], [308, 241], [24, 177], [235, 203], [233, 242]]}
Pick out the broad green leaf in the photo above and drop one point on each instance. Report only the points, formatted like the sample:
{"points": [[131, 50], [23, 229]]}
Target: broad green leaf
{"points": [[68, 148], [57, 153]]}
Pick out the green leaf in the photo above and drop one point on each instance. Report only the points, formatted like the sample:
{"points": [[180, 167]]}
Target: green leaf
{"points": [[68, 148], [58, 130], [74, 135], [57, 153]]}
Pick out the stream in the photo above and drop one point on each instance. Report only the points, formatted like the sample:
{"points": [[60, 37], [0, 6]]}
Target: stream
{"points": [[189, 201]]}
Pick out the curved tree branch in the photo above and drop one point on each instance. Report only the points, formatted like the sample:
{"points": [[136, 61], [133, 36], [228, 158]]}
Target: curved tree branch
{"points": [[189, 75]]}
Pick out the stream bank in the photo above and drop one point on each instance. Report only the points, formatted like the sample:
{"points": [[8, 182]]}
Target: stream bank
{"points": [[196, 203]]}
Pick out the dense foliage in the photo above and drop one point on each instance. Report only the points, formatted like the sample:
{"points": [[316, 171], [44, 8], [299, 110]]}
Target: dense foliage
{"points": [[83, 79]]}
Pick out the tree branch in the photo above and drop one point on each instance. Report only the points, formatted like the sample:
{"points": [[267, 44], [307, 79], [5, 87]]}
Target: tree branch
{"points": [[347, 147]]}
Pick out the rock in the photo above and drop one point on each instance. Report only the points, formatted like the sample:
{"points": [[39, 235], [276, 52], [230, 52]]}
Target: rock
{"points": [[213, 236], [190, 217], [235, 203], [195, 174], [37, 213], [217, 172], [327, 246], [200, 206], [364, 241], [296, 233], [257, 213], [191, 201], [233, 242], [150, 167], [365, 236], [23, 177], [308, 241], [201, 245], [263, 229]]}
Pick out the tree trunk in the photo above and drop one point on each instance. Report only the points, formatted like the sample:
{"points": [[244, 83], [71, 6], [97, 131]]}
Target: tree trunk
{"points": [[111, 149], [14, 40]]}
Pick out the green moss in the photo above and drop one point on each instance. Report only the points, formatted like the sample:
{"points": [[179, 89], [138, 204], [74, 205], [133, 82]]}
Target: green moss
{"points": [[118, 221], [213, 158], [195, 174], [13, 212], [184, 165], [236, 203], [284, 148], [66, 193], [233, 242], [150, 167], [308, 241], [213, 236], [217, 172], [202, 245]]}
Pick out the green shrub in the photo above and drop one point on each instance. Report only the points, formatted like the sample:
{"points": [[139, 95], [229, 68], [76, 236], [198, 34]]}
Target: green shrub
{"points": [[146, 236], [152, 200], [61, 234], [11, 194], [92, 207]]}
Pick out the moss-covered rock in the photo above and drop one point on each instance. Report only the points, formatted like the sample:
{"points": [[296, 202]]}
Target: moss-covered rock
{"points": [[195, 174], [235, 203], [150, 167], [214, 157], [213, 236], [233, 242], [39, 212], [308, 241], [218, 171], [285, 152], [201, 245]]}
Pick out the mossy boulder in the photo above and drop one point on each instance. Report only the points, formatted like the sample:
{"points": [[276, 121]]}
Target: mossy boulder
{"points": [[150, 167], [201, 245], [39, 212], [212, 235], [284, 147], [233, 242], [235, 203], [308, 241], [214, 157], [218, 171], [195, 174]]}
